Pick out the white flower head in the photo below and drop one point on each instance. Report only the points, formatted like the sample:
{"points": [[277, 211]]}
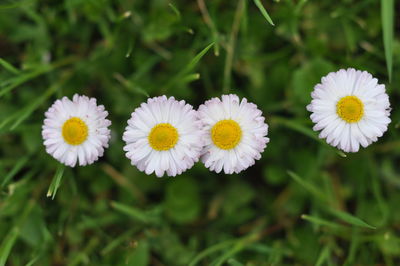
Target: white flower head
{"points": [[236, 134], [76, 131], [163, 136], [350, 108]]}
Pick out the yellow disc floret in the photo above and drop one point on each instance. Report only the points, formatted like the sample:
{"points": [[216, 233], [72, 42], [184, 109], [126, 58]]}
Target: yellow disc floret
{"points": [[75, 131], [350, 109], [163, 137], [226, 134]]}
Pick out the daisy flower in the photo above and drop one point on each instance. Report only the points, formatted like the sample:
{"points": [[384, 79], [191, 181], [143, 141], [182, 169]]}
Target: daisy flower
{"points": [[163, 136], [350, 108], [236, 134], [76, 131]]}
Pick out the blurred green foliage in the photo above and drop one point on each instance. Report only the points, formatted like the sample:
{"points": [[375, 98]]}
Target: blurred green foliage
{"points": [[303, 203]]}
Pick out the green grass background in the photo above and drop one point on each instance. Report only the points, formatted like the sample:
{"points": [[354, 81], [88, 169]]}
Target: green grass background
{"points": [[303, 203]]}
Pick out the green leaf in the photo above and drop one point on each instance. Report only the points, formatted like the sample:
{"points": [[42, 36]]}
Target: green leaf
{"points": [[263, 11], [387, 16], [233, 203], [55, 183], [140, 256], [182, 199], [348, 218], [34, 231], [7, 244], [305, 77], [389, 243]]}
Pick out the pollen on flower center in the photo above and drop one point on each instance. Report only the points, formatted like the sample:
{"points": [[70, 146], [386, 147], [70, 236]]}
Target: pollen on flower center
{"points": [[163, 137], [226, 134], [350, 109], [75, 131]]}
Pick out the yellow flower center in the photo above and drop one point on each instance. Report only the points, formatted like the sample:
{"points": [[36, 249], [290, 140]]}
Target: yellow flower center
{"points": [[163, 137], [226, 134], [350, 109], [75, 131]]}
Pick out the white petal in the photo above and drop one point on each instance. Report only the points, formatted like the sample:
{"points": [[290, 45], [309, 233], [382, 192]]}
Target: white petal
{"points": [[95, 119], [339, 133]]}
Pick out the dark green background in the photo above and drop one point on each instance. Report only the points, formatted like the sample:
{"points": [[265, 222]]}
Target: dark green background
{"points": [[303, 203]]}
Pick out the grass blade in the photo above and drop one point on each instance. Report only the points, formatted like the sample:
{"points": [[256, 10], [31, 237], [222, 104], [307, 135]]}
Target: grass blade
{"points": [[239, 246], [188, 68], [308, 186], [210, 250], [324, 255], [8, 243], [9, 67], [9, 240], [17, 167], [145, 68], [210, 23], [197, 58], [190, 77], [27, 111], [387, 16], [230, 46], [22, 115], [55, 183], [234, 262], [350, 219], [21, 79], [34, 260], [321, 222], [175, 10], [130, 86], [305, 131], [354, 245], [15, 5], [135, 213], [116, 242], [263, 11], [24, 78]]}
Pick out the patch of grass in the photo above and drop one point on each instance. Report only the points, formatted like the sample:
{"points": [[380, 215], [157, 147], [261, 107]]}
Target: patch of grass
{"points": [[303, 203]]}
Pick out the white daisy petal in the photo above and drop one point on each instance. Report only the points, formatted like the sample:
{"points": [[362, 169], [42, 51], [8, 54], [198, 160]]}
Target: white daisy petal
{"points": [[163, 136], [236, 134], [76, 131], [350, 109]]}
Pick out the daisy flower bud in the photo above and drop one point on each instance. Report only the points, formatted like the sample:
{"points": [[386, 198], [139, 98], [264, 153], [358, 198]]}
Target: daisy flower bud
{"points": [[76, 130], [350, 109], [236, 134], [163, 136]]}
